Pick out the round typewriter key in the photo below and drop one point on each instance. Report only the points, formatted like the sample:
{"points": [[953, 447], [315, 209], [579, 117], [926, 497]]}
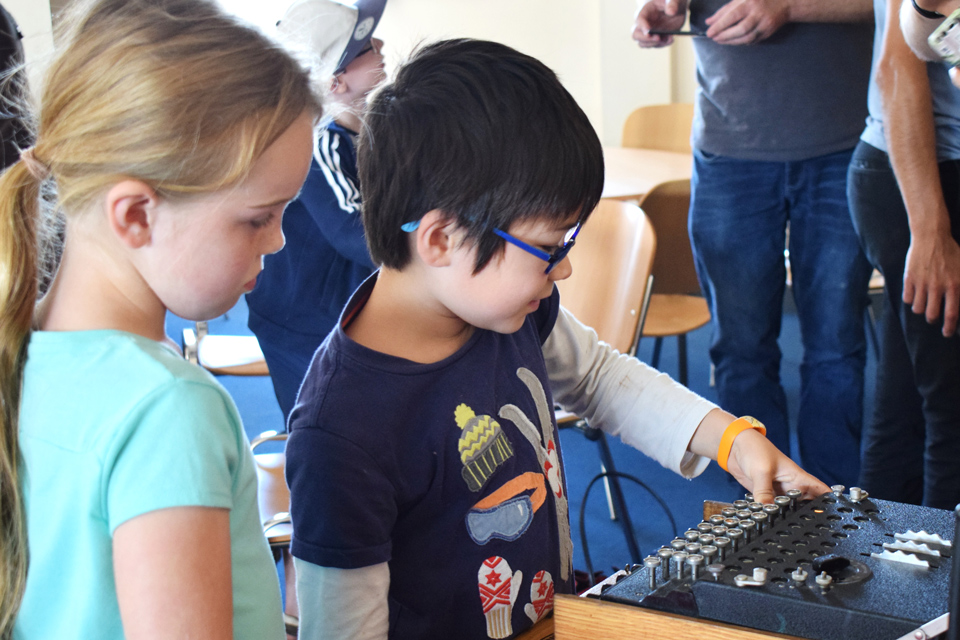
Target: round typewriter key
{"points": [[755, 507], [740, 504], [709, 552], [692, 547], [679, 558], [704, 527], [691, 535], [706, 538], [694, 560], [743, 514], [721, 544], [772, 511], [735, 536], [794, 495], [782, 501], [716, 519], [728, 512], [652, 562], [678, 544], [731, 523], [761, 519], [665, 553]]}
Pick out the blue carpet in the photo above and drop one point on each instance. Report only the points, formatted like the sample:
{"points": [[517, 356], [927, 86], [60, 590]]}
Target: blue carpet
{"points": [[605, 538]]}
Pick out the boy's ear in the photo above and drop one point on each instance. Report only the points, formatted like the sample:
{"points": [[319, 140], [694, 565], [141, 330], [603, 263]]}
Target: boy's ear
{"points": [[435, 239], [131, 208]]}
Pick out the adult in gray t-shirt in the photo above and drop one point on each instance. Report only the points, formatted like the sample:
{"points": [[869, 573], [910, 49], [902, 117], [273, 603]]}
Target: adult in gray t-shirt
{"points": [[774, 126]]}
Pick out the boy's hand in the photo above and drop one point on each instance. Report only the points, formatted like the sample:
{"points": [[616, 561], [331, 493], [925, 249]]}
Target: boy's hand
{"points": [[658, 15], [747, 21], [765, 472]]}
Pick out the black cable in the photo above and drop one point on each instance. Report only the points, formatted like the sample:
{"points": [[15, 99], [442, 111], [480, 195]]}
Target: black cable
{"points": [[583, 505]]}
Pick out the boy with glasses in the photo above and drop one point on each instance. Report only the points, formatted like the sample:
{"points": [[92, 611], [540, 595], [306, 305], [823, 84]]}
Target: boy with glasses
{"points": [[427, 486]]}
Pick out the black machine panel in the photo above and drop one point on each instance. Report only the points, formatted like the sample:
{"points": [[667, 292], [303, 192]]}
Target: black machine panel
{"points": [[840, 567]]}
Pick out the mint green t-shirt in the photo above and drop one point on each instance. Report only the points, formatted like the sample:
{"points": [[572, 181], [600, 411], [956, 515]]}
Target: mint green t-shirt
{"points": [[112, 426]]}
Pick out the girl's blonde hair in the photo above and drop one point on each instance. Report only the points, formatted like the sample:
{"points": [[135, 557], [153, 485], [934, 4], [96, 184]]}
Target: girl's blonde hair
{"points": [[171, 92]]}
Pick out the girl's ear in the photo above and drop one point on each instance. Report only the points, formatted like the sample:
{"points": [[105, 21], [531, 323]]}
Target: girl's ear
{"points": [[436, 238], [338, 85], [131, 209]]}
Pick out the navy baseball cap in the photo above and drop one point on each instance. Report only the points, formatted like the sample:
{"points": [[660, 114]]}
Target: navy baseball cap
{"points": [[331, 32]]}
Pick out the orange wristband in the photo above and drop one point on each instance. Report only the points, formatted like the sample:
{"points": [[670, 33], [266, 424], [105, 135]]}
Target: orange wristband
{"points": [[730, 434]]}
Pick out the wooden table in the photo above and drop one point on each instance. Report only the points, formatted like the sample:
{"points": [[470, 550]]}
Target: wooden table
{"points": [[590, 619], [630, 173]]}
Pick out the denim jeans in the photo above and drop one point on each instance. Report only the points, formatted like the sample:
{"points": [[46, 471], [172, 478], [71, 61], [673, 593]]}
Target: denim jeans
{"points": [[912, 442], [739, 213]]}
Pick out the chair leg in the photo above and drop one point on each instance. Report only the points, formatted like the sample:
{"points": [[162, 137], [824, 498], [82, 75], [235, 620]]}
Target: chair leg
{"points": [[655, 360], [682, 357], [871, 321], [620, 504]]}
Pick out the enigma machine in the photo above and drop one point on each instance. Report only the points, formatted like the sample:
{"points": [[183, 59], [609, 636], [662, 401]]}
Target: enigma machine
{"points": [[840, 567]]}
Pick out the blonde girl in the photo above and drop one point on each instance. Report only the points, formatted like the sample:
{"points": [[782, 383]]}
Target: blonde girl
{"points": [[173, 138]]}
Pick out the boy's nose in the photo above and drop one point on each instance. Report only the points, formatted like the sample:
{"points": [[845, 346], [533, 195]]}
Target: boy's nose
{"points": [[562, 271]]}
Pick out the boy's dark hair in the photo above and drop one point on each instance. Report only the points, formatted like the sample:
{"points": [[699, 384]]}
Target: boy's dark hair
{"points": [[482, 132]]}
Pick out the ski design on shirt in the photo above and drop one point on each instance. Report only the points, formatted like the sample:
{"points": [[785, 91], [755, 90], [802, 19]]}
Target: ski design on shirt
{"points": [[541, 596], [506, 513], [328, 157], [545, 447], [483, 446], [498, 591]]}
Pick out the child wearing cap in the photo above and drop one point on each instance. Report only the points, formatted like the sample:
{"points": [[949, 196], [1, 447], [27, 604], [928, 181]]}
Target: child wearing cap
{"points": [[303, 287], [427, 488]]}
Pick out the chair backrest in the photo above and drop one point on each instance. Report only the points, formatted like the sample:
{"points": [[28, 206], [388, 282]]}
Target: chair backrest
{"points": [[667, 206], [611, 266], [660, 126]]}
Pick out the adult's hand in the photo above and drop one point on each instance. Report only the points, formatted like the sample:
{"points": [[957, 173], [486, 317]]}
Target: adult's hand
{"points": [[747, 21], [658, 15], [931, 279]]}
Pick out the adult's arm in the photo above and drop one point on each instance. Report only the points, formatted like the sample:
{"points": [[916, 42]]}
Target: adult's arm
{"points": [[647, 410], [173, 574], [347, 604], [931, 278], [750, 21]]}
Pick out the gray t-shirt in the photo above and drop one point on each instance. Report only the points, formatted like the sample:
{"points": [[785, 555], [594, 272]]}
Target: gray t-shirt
{"points": [[799, 94], [946, 101]]}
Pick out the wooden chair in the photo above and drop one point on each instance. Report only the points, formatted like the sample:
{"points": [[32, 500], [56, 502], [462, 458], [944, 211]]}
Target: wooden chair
{"points": [[224, 354], [660, 126], [608, 291], [273, 499], [676, 304]]}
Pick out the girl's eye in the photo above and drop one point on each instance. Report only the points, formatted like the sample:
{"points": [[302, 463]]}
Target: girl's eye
{"points": [[260, 223]]}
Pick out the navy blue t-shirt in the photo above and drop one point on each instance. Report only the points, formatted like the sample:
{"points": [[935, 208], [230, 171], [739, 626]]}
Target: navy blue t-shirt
{"points": [[448, 471]]}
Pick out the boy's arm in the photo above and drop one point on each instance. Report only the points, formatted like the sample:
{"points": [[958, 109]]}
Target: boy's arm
{"points": [[649, 411], [341, 604]]}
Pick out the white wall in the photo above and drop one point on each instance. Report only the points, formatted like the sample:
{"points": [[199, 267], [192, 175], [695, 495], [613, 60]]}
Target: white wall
{"points": [[33, 17], [587, 42]]}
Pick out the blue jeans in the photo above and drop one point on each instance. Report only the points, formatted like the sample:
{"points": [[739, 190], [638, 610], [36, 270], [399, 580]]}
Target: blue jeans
{"points": [[739, 212], [912, 443]]}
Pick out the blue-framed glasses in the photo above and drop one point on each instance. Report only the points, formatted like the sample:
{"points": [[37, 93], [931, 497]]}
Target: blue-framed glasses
{"points": [[552, 259]]}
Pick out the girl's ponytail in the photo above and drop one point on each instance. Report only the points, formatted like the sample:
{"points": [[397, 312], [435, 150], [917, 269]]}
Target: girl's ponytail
{"points": [[19, 215]]}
